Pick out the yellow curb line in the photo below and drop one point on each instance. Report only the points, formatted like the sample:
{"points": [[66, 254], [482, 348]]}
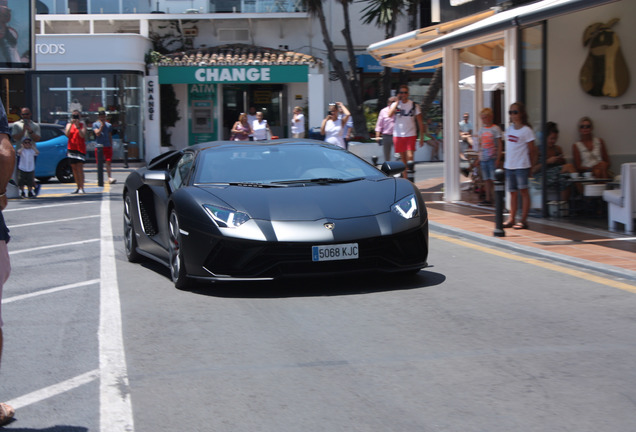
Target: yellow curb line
{"points": [[576, 273]]}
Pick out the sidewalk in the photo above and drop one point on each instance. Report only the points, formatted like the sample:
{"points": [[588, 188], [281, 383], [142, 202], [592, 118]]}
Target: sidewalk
{"points": [[555, 239]]}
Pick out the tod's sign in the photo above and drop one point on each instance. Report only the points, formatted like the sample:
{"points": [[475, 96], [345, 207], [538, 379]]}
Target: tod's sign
{"points": [[50, 49]]}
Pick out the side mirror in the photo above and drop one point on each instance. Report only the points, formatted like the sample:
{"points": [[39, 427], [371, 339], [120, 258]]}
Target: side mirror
{"points": [[392, 168], [156, 178]]}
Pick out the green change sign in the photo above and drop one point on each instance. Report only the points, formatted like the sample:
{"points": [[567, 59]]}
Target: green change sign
{"points": [[232, 74]]}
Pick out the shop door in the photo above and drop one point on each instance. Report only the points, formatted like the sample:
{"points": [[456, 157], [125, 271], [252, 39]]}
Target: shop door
{"points": [[265, 98], [234, 101]]}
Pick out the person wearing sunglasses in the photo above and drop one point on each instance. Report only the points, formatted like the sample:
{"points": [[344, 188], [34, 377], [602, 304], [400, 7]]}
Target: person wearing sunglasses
{"points": [[590, 153], [408, 123], [25, 127], [519, 156]]}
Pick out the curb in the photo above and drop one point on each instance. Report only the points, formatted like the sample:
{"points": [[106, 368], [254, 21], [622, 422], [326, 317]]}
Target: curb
{"points": [[535, 252]]}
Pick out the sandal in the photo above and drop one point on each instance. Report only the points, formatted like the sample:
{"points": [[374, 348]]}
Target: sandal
{"points": [[6, 414], [508, 225], [520, 225]]}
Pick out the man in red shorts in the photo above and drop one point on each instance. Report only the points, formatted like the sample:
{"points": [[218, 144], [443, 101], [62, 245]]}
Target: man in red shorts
{"points": [[408, 121], [104, 136]]}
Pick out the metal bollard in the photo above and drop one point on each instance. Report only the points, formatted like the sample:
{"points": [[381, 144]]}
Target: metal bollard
{"points": [[500, 186], [125, 155], [410, 171], [374, 159], [100, 164]]}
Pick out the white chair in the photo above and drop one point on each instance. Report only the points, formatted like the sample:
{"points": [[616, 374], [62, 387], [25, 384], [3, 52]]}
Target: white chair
{"points": [[621, 203]]}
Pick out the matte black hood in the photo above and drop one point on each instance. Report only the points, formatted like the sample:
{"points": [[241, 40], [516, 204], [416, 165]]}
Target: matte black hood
{"points": [[311, 202]]}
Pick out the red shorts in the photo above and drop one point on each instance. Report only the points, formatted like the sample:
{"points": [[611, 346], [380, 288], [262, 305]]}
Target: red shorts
{"points": [[403, 144], [108, 154]]}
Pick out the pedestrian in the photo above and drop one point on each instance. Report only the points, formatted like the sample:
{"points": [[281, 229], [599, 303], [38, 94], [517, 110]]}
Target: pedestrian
{"points": [[76, 132], [104, 136], [466, 132], [298, 123], [7, 163], [25, 127], [408, 125], [333, 126], [488, 142], [26, 167], [518, 161], [384, 129], [260, 128], [251, 118], [241, 131]]}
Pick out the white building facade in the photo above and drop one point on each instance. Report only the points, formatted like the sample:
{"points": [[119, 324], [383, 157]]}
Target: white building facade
{"points": [[93, 55]]}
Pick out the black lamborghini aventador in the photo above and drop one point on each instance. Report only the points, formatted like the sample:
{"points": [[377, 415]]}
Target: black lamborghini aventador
{"points": [[267, 210]]}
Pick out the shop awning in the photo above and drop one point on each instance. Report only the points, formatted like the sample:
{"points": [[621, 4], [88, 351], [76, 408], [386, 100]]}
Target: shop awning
{"points": [[431, 44], [404, 51], [493, 79]]}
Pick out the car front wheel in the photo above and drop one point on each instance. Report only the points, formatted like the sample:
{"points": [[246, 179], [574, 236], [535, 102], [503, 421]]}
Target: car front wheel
{"points": [[63, 172], [177, 267], [130, 238]]}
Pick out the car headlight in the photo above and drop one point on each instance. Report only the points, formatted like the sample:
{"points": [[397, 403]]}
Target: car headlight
{"points": [[406, 207], [226, 218]]}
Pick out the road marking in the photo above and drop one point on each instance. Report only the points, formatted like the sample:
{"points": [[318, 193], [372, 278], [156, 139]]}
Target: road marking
{"points": [[576, 273], [114, 388], [52, 221], [53, 390], [49, 291], [39, 248], [66, 204]]}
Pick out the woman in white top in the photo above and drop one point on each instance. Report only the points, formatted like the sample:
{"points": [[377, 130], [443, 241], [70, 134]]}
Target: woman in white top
{"points": [[519, 154], [590, 154], [298, 123], [333, 127], [260, 127]]}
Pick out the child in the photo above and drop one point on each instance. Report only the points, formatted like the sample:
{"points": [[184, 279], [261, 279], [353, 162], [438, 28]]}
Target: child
{"points": [[489, 141], [26, 166]]}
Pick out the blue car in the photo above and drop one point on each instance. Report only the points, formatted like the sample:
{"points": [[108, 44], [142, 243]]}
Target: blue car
{"points": [[52, 160]]}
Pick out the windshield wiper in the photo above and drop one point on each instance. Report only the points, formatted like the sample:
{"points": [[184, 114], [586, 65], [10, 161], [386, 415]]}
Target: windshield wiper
{"points": [[243, 184], [322, 180]]}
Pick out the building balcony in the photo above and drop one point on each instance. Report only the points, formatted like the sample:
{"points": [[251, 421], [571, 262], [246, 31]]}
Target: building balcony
{"points": [[92, 7]]}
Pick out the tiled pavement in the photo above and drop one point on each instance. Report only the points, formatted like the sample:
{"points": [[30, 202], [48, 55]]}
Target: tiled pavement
{"points": [[555, 239]]}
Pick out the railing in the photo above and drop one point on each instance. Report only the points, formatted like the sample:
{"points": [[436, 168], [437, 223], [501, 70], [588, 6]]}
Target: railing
{"points": [[176, 7]]}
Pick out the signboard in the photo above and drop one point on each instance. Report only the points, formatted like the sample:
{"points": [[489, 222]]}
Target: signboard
{"points": [[16, 34], [269, 74]]}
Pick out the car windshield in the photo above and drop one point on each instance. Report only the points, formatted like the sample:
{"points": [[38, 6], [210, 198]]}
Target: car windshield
{"points": [[281, 164]]}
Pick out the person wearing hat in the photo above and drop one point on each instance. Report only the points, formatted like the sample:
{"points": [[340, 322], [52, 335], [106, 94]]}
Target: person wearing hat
{"points": [[104, 136], [26, 166]]}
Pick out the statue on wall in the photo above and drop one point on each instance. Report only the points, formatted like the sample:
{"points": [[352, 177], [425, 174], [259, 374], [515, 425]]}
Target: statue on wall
{"points": [[604, 72]]}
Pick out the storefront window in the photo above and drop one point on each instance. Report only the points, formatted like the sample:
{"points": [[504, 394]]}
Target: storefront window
{"points": [[532, 72], [56, 95]]}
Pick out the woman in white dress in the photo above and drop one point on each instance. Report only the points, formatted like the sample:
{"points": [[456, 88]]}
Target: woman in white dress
{"points": [[333, 126]]}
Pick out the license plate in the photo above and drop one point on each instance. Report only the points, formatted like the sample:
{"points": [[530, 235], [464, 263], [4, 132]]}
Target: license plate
{"points": [[334, 252]]}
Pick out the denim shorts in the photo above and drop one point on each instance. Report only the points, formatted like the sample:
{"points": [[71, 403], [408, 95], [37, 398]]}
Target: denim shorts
{"points": [[517, 179], [488, 169]]}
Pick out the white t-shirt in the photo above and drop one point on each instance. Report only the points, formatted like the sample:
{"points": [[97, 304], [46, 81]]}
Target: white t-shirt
{"points": [[517, 153], [27, 160], [260, 130], [299, 126], [405, 125], [333, 133]]}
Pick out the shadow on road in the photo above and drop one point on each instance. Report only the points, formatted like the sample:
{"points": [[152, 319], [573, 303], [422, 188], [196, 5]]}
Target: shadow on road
{"points": [[315, 287]]}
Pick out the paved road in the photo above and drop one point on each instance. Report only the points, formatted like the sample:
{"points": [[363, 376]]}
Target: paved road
{"points": [[483, 340]]}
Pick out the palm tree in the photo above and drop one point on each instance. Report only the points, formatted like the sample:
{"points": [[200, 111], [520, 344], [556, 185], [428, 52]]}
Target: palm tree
{"points": [[349, 78], [383, 13]]}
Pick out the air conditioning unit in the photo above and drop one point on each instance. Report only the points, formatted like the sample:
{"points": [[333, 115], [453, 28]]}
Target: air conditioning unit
{"points": [[229, 35]]}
